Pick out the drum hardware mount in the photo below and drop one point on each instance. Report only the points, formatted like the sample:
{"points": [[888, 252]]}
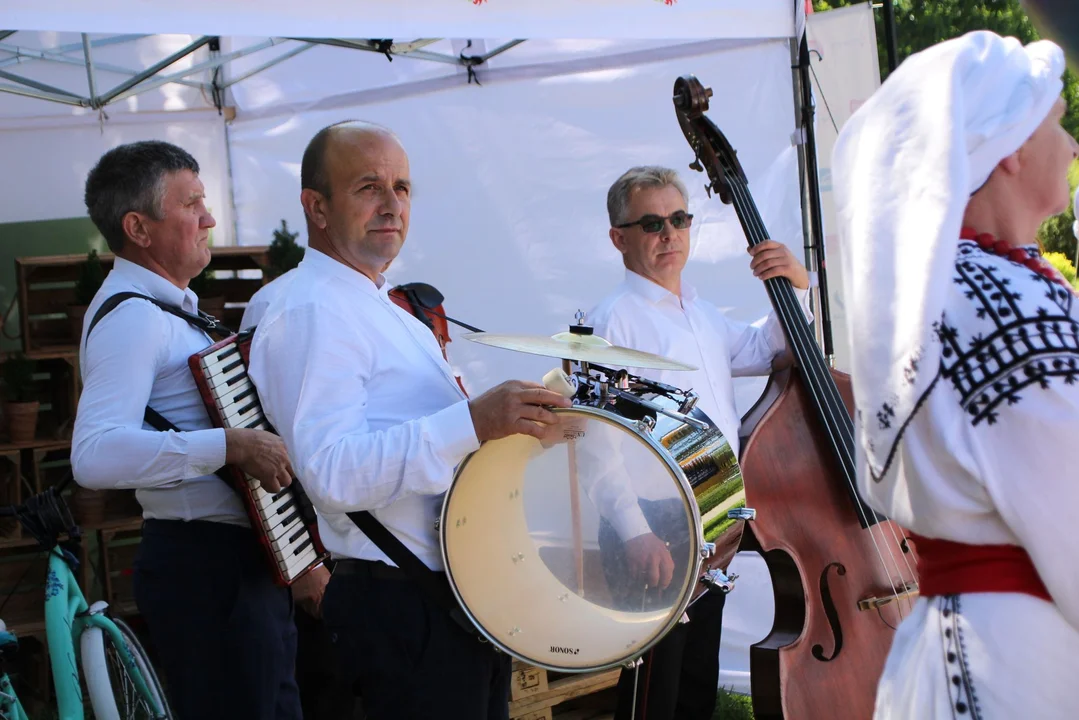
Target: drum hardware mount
{"points": [[718, 580], [744, 513]]}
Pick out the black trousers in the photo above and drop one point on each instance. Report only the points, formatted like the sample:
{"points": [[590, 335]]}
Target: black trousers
{"points": [[408, 658], [324, 695], [678, 677], [222, 632]]}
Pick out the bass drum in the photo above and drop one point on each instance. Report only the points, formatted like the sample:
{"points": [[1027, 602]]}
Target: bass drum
{"points": [[580, 552]]}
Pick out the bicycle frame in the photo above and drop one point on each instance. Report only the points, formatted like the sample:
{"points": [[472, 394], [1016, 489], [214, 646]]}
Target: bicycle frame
{"points": [[67, 616]]}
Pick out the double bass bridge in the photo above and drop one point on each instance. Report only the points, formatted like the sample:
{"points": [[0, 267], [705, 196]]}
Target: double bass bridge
{"points": [[908, 591]]}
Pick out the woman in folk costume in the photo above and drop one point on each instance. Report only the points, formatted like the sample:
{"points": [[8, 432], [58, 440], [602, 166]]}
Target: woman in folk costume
{"points": [[965, 366]]}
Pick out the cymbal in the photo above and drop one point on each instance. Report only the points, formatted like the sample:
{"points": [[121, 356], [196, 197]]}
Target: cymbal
{"points": [[581, 348]]}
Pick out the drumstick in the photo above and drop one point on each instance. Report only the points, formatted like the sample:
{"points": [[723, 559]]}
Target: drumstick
{"points": [[575, 513], [574, 499]]}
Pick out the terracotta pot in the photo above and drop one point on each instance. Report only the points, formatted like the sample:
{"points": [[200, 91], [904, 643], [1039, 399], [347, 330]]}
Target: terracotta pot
{"points": [[21, 418], [75, 314], [88, 506]]}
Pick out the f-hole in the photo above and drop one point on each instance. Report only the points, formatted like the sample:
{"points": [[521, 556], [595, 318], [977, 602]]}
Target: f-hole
{"points": [[830, 612]]}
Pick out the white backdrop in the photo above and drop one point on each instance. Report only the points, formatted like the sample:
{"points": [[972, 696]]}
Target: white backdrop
{"points": [[46, 163]]}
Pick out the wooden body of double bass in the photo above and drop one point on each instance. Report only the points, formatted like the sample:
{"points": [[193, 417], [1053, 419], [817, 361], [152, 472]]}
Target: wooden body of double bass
{"points": [[824, 654]]}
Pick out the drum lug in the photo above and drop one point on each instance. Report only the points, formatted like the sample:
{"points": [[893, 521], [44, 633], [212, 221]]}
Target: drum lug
{"points": [[631, 664], [707, 549], [438, 524], [718, 580], [646, 424], [689, 403], [684, 619], [744, 513]]}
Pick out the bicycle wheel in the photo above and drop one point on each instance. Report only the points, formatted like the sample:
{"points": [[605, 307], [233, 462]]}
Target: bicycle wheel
{"points": [[113, 694]]}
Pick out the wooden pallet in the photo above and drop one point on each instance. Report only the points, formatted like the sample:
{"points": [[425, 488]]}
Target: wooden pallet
{"points": [[536, 693]]}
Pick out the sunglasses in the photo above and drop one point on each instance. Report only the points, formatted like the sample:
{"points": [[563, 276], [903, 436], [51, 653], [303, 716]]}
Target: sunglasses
{"points": [[654, 223]]}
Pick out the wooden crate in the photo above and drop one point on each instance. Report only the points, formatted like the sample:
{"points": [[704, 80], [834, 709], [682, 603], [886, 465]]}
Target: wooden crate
{"points": [[118, 551], [46, 288], [535, 693]]}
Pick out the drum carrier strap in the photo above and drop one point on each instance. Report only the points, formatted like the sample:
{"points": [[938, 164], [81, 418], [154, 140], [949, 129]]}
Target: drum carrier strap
{"points": [[427, 579]]}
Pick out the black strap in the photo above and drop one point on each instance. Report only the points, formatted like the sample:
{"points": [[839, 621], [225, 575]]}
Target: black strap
{"points": [[428, 580], [386, 541], [207, 323]]}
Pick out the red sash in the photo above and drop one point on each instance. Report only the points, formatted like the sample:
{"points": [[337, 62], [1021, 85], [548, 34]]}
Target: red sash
{"points": [[952, 568]]}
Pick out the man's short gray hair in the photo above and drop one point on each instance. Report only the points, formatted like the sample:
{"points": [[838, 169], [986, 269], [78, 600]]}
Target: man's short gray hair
{"points": [[643, 176]]}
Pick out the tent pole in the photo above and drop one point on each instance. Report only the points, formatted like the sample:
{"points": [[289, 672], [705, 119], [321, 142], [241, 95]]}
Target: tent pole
{"points": [[89, 68], [153, 70], [889, 34], [811, 197]]}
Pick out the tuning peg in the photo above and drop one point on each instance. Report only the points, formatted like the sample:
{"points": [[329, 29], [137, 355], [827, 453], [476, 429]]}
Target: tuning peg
{"points": [[708, 189], [696, 165]]}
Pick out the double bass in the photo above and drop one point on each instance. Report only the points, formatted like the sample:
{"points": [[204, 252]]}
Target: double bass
{"points": [[842, 575]]}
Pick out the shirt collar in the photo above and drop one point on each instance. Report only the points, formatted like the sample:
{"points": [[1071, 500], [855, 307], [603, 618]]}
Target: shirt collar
{"points": [[155, 285], [656, 293], [323, 264]]}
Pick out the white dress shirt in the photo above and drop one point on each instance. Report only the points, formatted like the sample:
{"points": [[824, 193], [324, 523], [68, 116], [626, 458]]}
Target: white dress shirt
{"points": [[642, 315], [368, 407], [137, 356], [260, 301]]}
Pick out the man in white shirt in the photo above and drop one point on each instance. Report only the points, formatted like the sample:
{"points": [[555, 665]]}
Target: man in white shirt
{"points": [[374, 420], [654, 311], [220, 627]]}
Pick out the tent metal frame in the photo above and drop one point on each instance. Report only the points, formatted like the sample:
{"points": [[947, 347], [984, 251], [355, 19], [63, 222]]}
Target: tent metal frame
{"points": [[140, 81]]}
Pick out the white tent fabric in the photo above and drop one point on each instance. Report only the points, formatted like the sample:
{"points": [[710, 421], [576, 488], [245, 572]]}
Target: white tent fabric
{"points": [[511, 174], [537, 19]]}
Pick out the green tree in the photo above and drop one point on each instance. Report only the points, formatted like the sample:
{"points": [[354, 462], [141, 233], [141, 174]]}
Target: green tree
{"points": [[921, 23]]}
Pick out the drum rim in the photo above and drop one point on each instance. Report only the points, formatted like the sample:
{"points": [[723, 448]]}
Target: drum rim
{"points": [[697, 540]]}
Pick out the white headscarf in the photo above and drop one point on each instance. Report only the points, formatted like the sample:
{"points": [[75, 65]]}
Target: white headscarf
{"points": [[903, 168]]}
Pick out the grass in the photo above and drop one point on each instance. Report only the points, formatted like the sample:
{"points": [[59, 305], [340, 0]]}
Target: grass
{"points": [[732, 706]]}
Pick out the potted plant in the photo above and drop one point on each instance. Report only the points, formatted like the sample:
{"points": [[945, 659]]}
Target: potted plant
{"points": [[91, 276], [20, 398], [283, 255], [203, 285]]}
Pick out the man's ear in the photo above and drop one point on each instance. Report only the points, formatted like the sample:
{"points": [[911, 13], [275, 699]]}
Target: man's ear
{"points": [[314, 206], [618, 239], [136, 230]]}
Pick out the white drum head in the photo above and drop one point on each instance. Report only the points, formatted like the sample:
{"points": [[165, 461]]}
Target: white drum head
{"points": [[556, 550]]}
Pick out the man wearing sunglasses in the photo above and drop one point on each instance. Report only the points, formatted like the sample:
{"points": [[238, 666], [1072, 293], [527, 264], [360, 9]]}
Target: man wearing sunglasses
{"points": [[654, 311]]}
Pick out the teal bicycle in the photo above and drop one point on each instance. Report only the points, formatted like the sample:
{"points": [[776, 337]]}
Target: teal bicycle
{"points": [[120, 681]]}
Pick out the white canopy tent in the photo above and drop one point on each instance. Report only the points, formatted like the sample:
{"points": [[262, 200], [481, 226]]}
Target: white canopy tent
{"points": [[513, 143]]}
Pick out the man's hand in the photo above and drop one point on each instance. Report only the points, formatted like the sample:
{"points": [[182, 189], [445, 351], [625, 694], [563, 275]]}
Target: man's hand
{"points": [[514, 407], [772, 259], [650, 560], [307, 592], [261, 455]]}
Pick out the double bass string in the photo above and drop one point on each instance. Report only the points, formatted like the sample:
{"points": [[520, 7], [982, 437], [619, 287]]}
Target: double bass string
{"points": [[817, 379], [825, 393]]}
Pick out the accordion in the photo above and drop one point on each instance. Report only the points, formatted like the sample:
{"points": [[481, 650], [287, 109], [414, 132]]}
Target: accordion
{"points": [[285, 521]]}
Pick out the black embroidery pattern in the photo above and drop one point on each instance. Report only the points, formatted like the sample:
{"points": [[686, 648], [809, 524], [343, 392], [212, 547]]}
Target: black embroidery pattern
{"points": [[964, 700], [1022, 341], [1019, 343]]}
